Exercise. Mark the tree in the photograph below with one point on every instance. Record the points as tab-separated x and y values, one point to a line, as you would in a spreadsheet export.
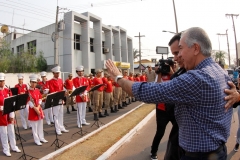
219	56
135	53
23	62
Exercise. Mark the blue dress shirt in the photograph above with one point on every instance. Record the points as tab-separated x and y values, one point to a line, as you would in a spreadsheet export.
204	124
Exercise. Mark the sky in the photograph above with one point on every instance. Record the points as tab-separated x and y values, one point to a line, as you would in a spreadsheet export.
149	17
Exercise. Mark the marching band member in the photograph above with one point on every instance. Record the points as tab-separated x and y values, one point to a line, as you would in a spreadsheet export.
98	95
131	78
22	89
44	91
35	111
6	121
88	94
109	96
69	87
56	85
143	77
117	94
81	99
124	94
105	81
90	102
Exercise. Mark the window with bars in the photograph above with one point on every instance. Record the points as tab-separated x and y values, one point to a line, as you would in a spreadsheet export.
20	49
76	41
32	47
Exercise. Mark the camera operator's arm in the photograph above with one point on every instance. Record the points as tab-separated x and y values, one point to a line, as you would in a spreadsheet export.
233	96
171	71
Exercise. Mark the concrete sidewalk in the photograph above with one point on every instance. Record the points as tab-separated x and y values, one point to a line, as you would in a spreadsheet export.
139	147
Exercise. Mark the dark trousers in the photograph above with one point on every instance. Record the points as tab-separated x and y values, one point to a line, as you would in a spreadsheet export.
162	119
173	151
218	154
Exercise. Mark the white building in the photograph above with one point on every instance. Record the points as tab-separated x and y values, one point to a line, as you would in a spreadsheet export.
79	43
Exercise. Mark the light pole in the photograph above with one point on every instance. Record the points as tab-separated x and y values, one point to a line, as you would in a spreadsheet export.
226	34
234	15
140	53
175	15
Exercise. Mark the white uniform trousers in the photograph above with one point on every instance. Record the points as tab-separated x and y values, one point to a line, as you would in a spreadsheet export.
11	136
24	117
58	118
81	113
4	139
48	114
37	130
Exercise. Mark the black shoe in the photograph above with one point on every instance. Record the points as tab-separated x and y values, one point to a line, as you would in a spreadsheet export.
90	109
124	104
106	114
115	108
154	157
103	105
112	110
120	107
68	112
52	122
236	147
73	109
95	117
101	116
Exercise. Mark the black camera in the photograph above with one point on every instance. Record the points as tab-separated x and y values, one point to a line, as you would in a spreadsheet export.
164	66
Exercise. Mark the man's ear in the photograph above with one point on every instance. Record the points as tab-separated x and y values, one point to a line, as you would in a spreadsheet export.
197	48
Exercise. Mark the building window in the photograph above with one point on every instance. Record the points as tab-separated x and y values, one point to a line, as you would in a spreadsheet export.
32	47
20	49
103	47
12	50
91	45
113	49
76	41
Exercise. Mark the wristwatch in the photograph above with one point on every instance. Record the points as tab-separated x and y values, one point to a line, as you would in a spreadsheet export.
118	77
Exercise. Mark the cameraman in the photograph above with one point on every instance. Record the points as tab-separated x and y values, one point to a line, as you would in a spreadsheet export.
163	116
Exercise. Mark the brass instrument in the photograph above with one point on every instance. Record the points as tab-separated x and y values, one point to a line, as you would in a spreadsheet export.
36	108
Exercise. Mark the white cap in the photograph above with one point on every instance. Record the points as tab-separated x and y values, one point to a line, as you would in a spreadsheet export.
2	76
20	76
56	69
43	74
79	68
33	77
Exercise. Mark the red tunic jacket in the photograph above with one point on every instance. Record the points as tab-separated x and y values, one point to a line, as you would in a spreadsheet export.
4	119
36	96
78	82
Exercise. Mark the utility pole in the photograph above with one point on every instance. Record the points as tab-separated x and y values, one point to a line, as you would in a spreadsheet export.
229	59
175	15
56	57
140	54
234	15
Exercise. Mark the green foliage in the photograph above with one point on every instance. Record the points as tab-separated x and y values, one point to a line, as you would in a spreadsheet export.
219	56
135	53
20	63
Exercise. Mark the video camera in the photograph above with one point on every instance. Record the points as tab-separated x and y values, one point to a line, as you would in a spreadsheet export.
164	66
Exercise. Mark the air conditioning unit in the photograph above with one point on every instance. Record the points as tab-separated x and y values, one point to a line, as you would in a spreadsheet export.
61	26
106	50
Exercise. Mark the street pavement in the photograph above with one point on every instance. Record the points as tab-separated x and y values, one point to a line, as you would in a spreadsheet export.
139	147
70	120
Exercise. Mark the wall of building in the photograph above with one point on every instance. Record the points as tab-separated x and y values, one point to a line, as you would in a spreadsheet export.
115	39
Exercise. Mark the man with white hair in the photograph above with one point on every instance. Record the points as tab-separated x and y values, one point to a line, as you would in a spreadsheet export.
81	99
22	89
56	85
6	121
202	112
35	111
44	91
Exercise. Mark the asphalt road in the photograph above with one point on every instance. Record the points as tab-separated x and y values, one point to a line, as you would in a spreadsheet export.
139	147
70	120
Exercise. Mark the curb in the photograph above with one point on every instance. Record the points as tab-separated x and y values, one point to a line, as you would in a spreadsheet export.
71	145
127	137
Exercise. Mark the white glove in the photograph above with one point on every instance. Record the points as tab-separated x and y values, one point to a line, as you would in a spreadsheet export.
40	101
1	108
30	104
11	115
45	91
